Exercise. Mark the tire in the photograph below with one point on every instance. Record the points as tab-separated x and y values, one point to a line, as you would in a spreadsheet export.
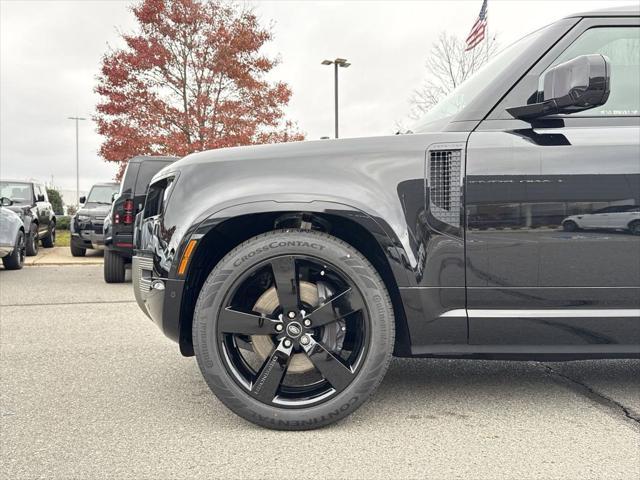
50	240
373	311
634	227
77	251
15	261
570	226
32	241
114	267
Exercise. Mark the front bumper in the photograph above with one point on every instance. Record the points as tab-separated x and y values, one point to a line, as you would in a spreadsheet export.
5	249
159	298
88	239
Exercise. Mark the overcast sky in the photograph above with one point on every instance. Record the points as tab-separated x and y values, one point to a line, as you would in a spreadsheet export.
50	53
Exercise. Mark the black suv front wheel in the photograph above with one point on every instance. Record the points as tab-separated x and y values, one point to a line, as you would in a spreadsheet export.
293	330
50	240
32	241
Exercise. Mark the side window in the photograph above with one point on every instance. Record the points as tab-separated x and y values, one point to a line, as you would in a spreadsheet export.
145	174
39	191
157	197
129	177
621	45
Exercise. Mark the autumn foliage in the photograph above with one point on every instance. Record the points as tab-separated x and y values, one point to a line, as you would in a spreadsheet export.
191	78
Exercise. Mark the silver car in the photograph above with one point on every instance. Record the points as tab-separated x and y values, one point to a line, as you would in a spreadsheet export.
12	237
615	217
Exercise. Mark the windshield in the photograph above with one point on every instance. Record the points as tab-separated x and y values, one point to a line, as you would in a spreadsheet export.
102	194
467	91
19	192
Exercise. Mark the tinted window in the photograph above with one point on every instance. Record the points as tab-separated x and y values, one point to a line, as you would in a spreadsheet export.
129	177
621	45
157	197
145	174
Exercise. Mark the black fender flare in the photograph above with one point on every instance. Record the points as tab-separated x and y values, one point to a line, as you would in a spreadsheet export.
388	241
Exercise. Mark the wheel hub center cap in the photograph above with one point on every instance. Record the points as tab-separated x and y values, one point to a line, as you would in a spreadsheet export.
294	329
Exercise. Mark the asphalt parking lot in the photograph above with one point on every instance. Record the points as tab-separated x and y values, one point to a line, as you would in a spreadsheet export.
90	388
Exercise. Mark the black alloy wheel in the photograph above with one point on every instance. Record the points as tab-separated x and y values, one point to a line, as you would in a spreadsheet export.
295	340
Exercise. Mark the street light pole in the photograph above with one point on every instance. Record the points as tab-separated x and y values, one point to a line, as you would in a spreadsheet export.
338	62
77	119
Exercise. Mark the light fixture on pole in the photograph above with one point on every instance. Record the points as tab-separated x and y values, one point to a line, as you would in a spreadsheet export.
338	62
77	119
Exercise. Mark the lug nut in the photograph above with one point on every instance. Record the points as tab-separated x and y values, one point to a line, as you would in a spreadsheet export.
279	327
287	342
304	340
307	322
292	314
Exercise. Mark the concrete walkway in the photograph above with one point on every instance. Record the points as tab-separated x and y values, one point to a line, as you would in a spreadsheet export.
62	256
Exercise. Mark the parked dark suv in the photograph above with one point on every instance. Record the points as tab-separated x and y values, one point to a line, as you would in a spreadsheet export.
31	202
293	272
87	223
118	226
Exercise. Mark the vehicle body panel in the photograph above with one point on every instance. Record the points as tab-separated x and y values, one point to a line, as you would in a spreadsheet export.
10	225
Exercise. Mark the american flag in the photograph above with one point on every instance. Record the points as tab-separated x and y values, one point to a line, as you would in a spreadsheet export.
478	30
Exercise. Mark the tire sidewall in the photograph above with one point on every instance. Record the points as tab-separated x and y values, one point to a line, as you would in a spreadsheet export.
32	240
313	244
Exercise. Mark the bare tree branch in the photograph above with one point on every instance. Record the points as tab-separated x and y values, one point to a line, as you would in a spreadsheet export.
448	65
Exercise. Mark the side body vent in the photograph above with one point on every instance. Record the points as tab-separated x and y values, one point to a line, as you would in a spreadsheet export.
443	184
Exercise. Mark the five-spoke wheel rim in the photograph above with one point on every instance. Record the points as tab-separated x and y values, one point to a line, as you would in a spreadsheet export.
328	331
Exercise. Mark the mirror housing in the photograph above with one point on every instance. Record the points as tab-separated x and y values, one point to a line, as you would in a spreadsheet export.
83	199
5	202
569	87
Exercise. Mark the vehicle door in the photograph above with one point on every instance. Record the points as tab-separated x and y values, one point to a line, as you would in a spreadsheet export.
621	216
42	208
597	219
532	283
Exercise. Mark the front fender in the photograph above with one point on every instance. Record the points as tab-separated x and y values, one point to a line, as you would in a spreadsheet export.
387	239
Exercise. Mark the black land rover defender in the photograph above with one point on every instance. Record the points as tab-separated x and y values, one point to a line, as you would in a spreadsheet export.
87	223
31	203
293	272
118	226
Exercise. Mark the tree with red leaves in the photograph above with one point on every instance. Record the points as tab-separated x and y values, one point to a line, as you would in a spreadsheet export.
191	78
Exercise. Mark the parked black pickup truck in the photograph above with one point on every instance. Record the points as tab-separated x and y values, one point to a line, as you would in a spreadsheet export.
87	223
118	225
30	201
293	272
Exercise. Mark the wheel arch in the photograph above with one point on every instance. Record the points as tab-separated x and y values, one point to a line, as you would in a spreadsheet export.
218	236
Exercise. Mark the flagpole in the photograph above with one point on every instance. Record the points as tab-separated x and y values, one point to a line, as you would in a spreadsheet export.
487	30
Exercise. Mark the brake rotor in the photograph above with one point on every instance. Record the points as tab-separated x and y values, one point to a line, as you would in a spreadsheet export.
267	304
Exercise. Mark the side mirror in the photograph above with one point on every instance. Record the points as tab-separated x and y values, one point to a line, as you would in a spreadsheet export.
114	196
40	198
573	86
6	202
83	199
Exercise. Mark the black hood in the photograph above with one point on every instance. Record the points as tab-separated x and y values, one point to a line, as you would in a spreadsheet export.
95	209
